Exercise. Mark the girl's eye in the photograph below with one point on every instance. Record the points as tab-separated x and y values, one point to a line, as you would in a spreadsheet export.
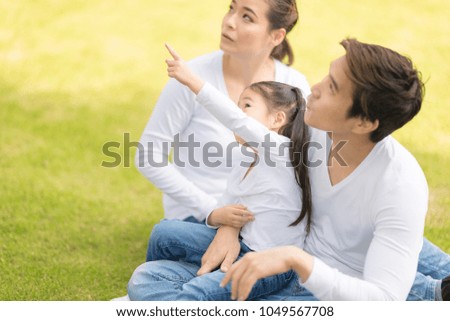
331	87
247	106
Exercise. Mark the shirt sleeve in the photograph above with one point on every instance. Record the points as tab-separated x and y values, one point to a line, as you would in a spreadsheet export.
252	131
171	115
391	262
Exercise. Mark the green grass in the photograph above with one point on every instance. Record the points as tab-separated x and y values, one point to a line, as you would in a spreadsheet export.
77	74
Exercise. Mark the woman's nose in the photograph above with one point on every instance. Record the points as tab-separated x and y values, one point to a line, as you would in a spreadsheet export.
230	20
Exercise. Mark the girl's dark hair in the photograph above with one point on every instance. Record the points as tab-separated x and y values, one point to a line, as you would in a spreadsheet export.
289	99
282	14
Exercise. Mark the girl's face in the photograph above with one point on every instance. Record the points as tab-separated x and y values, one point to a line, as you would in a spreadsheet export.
245	29
255	107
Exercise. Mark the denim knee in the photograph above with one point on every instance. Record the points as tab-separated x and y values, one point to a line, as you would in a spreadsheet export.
135	283
161	234
205	288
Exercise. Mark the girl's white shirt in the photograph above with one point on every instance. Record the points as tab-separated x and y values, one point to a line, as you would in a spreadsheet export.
269	190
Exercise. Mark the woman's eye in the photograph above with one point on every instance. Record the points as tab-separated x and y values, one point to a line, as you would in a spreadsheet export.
247	18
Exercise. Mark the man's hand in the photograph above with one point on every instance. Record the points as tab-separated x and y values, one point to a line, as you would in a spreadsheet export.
235	215
257	265
223	250
178	69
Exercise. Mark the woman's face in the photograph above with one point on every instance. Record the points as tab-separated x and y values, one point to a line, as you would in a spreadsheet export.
245	29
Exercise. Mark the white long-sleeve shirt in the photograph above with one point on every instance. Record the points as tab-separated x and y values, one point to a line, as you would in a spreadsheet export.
367	230
192	184
269	190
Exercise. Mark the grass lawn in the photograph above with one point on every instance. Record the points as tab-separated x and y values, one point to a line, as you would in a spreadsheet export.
77	74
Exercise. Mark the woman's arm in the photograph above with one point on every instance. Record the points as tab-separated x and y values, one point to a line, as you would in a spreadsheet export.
171	115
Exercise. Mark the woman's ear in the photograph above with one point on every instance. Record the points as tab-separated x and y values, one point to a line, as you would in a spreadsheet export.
278	36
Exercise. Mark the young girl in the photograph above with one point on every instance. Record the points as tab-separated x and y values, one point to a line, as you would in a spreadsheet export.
274	188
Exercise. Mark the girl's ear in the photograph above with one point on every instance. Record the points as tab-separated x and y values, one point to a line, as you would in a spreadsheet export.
278	120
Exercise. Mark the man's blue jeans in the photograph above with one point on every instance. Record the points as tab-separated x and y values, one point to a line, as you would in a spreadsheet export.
188	244
175	252
434	265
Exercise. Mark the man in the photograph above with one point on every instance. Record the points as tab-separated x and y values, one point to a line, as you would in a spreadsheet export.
370	203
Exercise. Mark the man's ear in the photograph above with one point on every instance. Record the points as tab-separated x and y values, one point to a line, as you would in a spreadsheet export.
278	36
365	126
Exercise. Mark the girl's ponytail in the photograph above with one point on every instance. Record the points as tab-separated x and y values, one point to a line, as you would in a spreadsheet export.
299	136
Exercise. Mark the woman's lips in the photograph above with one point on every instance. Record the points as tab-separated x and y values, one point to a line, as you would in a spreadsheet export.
227	37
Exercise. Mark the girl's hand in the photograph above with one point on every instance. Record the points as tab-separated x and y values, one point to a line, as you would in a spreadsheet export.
232	215
223	250
178	69
257	265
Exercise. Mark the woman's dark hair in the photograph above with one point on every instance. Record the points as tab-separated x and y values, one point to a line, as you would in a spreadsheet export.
282	14
289	99
386	86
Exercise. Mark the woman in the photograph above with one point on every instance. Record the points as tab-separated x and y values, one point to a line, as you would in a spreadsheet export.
253	45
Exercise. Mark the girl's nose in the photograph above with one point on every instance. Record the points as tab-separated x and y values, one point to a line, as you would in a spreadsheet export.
315	92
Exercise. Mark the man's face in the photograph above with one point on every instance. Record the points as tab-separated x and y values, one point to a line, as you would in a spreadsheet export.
330	101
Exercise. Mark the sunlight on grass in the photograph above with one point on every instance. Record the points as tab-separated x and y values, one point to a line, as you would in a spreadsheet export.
77	74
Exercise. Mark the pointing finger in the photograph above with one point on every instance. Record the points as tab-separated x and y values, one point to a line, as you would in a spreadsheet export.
173	53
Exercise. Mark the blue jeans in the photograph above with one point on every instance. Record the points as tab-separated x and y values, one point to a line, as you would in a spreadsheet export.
190	219
433	265
175	252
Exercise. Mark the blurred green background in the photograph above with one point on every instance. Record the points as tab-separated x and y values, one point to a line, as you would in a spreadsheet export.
77	74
